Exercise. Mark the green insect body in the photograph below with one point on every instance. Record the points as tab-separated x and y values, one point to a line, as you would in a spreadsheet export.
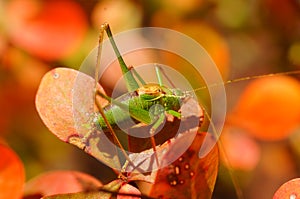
142	99
146	104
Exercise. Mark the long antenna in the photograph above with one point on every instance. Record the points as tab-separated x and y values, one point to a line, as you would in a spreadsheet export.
158	67
234	180
246	78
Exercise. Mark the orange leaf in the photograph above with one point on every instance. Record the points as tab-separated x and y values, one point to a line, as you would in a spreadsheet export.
189	176
65	102
46	28
289	190
104	192
242	152
59	182
128	189
269	108
12	175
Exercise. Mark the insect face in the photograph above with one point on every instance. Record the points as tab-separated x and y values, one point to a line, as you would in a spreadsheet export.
151	89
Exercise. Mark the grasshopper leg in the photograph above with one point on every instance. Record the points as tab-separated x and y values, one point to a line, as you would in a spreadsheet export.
136	74
153	129
103	28
157	114
174	113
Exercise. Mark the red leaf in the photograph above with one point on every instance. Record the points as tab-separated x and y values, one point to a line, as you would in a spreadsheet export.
266	113
59	182
12	175
64	101
242	152
108	190
46	28
289	190
76	185
128	189
189	176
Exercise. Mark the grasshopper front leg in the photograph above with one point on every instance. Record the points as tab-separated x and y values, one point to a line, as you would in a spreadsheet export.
158	116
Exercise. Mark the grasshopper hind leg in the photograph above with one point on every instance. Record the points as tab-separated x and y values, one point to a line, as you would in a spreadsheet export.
98	108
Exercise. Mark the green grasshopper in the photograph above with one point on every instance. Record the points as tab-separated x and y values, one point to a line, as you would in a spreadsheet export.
147	104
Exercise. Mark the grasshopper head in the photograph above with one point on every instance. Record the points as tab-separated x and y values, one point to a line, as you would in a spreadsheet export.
153	91
150	89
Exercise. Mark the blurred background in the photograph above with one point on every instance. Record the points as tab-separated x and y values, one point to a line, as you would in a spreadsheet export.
244	38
